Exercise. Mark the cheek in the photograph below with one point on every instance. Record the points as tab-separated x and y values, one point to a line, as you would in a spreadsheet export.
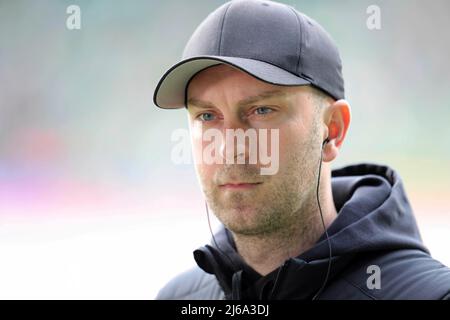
205	172
290	145
196	148
198	145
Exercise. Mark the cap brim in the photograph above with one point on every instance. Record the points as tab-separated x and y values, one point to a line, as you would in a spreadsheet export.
171	89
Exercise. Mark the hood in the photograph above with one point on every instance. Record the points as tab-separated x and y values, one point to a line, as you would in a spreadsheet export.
374	214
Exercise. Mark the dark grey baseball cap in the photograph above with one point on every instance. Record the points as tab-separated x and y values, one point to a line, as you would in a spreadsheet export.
271	41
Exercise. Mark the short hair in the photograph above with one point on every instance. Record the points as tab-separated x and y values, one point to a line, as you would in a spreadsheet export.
320	98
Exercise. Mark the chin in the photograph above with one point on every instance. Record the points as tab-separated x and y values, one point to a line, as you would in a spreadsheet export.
239	218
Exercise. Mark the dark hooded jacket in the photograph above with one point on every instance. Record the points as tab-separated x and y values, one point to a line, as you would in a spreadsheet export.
377	253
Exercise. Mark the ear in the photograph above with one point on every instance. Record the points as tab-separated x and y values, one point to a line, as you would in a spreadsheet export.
337	119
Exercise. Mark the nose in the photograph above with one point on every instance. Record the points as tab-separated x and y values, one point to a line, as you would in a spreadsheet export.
236	142
233	152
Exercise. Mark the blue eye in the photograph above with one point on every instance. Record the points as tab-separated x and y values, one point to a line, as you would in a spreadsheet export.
206	116
263	110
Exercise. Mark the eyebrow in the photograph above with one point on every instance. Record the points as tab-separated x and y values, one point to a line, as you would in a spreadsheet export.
246	101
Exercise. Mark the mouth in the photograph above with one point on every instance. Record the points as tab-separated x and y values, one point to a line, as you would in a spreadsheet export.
240	185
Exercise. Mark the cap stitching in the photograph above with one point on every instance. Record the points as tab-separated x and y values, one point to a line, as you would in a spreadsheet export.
298	68
221	28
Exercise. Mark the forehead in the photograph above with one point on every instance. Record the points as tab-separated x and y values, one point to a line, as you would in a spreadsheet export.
226	83
222	79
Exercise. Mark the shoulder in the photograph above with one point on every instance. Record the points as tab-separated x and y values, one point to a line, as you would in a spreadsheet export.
193	284
402	274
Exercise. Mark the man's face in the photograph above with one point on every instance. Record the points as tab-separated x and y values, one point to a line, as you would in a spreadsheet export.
267	203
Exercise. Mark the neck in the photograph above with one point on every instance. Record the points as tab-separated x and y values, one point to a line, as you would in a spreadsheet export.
265	253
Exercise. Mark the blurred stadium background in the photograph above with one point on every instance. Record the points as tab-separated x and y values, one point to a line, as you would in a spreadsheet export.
91	206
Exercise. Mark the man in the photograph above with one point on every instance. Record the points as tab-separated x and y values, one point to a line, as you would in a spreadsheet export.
303	231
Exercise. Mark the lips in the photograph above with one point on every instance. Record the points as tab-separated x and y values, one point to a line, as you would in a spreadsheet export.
240	185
